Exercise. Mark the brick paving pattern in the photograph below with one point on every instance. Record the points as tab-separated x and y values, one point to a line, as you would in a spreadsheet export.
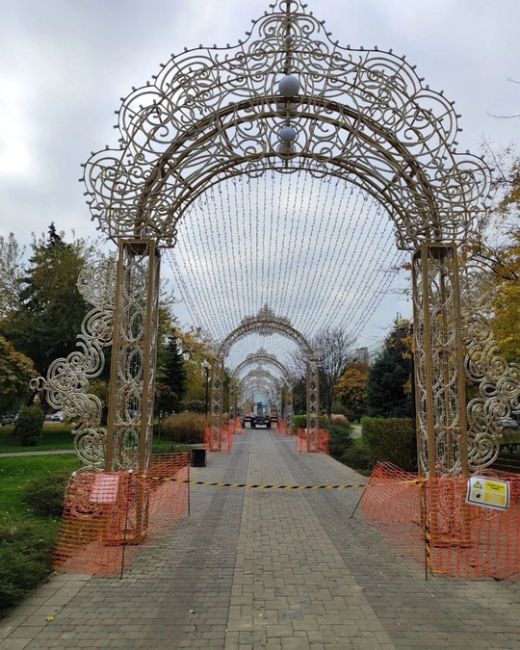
276	570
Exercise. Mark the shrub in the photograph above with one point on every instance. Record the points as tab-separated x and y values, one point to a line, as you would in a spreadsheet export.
194	406
299	421
46	495
29	426
25	559
391	439
338	418
339	440
187	428
356	456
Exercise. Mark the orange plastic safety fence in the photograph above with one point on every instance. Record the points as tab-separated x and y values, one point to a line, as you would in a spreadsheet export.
219	440
431	522
108	517
323	441
281	428
302	442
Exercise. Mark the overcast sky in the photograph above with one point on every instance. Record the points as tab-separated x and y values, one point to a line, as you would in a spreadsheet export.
64	64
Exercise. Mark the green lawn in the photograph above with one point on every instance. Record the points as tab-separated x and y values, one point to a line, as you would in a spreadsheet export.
58	436
55	436
15	473
26	539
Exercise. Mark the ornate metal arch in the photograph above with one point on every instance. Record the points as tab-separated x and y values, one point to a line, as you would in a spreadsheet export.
260	373
265	323
287	97
259	377
262	357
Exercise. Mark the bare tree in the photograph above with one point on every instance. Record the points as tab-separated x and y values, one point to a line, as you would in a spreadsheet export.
334	347
11	273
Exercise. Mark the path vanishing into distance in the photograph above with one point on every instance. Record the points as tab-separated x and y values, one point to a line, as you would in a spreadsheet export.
281	570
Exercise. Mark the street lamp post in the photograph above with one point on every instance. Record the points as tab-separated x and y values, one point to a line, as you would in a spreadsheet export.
207	368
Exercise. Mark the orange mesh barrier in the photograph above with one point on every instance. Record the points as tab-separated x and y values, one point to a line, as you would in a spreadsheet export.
323	441
431	522
281	428
303	444
219	440
301	441
108	515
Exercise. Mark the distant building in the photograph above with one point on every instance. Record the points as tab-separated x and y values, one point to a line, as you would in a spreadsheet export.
359	355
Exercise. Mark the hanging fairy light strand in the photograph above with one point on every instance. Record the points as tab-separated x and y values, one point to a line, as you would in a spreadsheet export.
316	250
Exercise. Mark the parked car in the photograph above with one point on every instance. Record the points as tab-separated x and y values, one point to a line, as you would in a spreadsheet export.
261	422
509	423
57	417
9	418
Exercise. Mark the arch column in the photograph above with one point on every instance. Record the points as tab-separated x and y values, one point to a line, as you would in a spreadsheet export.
313	404
288	408
439	352
134	355
233	398
217	403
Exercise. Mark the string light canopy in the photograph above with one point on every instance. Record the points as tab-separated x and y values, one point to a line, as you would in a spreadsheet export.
319	250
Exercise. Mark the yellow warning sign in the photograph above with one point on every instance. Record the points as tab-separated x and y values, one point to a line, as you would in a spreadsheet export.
488	493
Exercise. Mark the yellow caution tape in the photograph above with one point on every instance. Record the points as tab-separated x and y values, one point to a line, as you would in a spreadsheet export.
273	486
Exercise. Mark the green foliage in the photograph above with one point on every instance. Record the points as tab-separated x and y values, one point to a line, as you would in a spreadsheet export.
29	426
187	428
26	540
194	405
171	375
391	439
339	440
352	389
45	322
55	436
357	457
45	495
16	371
25	559
389	378
165	446
299	421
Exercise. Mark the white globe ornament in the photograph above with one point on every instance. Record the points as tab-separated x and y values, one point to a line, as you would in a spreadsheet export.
287	134
289	86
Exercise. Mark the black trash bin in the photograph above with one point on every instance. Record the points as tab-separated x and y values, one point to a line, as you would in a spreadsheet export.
198	456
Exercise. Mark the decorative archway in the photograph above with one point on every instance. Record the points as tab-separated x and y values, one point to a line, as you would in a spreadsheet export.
265	323
259	378
289	98
262	357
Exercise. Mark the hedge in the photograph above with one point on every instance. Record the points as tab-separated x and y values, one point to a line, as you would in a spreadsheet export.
391	439
187	428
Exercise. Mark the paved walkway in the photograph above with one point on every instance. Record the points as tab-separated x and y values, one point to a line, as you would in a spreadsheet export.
273	570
